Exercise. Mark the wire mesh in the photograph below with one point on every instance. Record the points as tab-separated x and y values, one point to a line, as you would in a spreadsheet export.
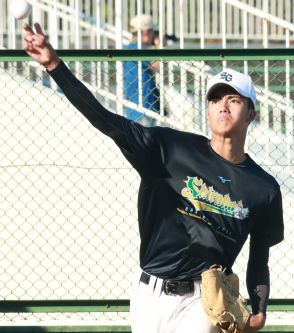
68	197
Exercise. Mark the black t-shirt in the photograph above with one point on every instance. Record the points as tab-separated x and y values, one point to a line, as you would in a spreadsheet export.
195	209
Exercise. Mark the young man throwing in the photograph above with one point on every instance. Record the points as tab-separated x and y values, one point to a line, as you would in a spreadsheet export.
197	199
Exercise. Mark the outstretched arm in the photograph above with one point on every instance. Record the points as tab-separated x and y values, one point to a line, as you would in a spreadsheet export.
113	125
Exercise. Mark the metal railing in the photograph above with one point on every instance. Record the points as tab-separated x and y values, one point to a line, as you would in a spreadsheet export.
197	23
89	25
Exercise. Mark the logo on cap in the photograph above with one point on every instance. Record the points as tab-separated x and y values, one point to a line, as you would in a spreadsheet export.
225	76
242	83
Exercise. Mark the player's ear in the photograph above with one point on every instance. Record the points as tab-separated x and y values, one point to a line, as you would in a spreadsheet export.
252	115
251	111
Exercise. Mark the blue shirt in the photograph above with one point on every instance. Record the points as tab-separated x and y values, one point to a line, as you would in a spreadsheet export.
150	93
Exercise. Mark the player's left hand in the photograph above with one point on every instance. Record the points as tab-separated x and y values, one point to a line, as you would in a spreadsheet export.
255	322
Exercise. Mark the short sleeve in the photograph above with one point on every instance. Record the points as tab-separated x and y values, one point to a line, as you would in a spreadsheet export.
270	230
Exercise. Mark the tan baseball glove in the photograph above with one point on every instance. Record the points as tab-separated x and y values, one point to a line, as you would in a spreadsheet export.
221	300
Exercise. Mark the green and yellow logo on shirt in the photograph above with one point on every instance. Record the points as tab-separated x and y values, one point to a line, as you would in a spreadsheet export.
205	198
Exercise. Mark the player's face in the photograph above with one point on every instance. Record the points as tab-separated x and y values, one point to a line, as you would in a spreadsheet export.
228	112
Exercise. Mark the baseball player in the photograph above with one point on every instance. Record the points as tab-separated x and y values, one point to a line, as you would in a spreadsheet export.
199	199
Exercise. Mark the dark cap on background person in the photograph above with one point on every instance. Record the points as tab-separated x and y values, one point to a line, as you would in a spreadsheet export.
240	82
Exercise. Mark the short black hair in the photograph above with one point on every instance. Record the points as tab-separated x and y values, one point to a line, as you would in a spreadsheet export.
250	104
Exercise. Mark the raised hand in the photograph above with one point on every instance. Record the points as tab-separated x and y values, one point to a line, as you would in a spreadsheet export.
37	47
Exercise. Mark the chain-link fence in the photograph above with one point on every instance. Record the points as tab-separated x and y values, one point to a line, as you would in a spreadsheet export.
68	197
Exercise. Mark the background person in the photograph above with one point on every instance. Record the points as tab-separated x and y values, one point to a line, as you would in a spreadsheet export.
150	93
197	200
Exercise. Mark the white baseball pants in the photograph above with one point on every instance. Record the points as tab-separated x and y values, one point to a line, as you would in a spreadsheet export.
152	311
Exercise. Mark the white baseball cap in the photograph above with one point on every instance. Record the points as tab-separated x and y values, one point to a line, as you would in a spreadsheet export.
143	23
242	83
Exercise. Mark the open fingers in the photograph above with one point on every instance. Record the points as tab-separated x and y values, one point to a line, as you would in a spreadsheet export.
33	38
29	33
28	29
38	28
